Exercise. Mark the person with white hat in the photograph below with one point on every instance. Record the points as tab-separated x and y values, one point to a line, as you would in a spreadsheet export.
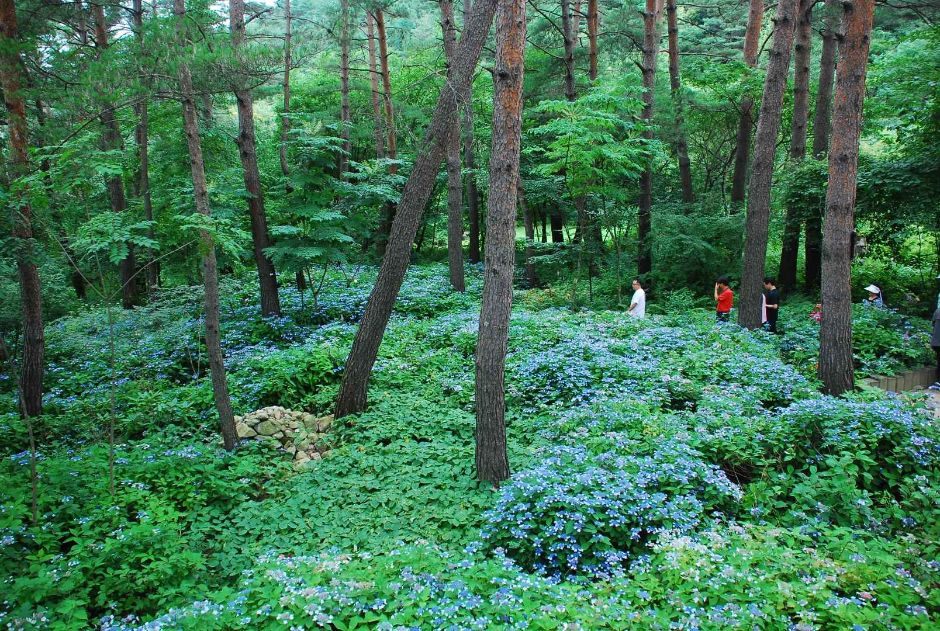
875	299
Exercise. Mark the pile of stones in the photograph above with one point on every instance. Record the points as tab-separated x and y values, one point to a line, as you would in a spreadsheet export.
300	434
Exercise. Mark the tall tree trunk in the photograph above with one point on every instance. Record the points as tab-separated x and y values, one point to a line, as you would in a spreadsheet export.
392	148
528	223
651	38
112	140
379	131
569	35
682	147
836	369
786	278
452	160
743	144
354	388
821	127
492	462
469	162
267	277
285	86
344	86
765	148
143	154
30	294
210	270
593	21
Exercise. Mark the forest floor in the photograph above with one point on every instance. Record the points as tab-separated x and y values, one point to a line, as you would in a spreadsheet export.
668	473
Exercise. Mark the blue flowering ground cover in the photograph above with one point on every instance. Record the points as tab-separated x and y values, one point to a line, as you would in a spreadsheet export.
668	474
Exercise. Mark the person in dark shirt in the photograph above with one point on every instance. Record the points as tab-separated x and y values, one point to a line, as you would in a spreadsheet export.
724	299
772	297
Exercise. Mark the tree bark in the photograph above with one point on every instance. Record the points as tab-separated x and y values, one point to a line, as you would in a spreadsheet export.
267	276
821	127
836	368
743	144
344	87
682	146
593	21
492	462
379	131
651	39
765	147
210	270
452	160
802	47
143	154
33	364
353	391
569	37
469	162
285	86
392	146
112	140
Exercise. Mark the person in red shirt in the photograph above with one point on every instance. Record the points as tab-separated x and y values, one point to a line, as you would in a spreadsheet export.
724	298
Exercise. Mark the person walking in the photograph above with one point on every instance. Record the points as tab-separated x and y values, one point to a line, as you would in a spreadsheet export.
638	302
771	303
724	299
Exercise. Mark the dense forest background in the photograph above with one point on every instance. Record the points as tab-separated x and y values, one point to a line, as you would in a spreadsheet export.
387	249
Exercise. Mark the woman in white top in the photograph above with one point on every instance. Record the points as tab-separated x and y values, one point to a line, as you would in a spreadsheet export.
638	302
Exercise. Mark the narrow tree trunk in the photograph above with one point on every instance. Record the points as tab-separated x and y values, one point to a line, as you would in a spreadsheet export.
285	86
682	147
30	294
529	223
492	462
469	162
650	53
836	368
454	183
557	225
143	155
765	148
821	127
743	144
786	278
353	391
344	87
112	140
267	277
569	36
543	219
379	131
210	270
392	147
593	21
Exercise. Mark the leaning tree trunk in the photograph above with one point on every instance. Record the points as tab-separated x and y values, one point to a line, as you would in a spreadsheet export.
836	368
30	294
650	53
492	462
743	144
344	87
469	162
267	277
392	149
682	147
821	125
285	86
210	270
112	140
142	137
354	388
379	129
765	147
786	278
452	160
593	20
